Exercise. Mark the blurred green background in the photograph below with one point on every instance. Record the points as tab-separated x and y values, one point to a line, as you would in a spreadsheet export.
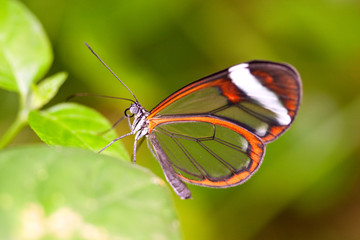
308	185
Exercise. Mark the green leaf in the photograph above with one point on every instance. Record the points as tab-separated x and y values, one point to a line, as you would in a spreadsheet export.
25	53
71	124
46	90
66	193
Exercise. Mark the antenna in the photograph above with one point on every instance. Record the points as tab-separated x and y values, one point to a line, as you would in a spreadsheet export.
111	71
96	95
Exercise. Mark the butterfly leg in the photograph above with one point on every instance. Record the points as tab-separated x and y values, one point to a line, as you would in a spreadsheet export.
116	139
129	123
134	151
112	127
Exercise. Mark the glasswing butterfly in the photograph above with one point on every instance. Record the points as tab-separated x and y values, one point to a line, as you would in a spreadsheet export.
213	132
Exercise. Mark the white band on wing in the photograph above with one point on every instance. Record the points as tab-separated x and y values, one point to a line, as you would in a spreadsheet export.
251	86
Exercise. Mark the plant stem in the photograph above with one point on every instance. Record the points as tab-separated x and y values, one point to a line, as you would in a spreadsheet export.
16	126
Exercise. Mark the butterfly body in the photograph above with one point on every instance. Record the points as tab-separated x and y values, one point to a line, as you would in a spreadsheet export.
140	124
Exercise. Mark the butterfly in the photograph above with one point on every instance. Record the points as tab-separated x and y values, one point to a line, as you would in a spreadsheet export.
214	131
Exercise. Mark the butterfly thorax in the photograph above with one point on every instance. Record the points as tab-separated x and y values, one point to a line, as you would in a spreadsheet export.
140	124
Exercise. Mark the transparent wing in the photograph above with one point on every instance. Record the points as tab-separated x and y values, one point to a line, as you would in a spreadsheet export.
262	97
208	153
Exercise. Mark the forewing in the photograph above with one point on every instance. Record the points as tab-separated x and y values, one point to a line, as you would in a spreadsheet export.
262	97
209	153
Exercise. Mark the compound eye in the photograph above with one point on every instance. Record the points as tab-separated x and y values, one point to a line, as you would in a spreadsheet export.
134	109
